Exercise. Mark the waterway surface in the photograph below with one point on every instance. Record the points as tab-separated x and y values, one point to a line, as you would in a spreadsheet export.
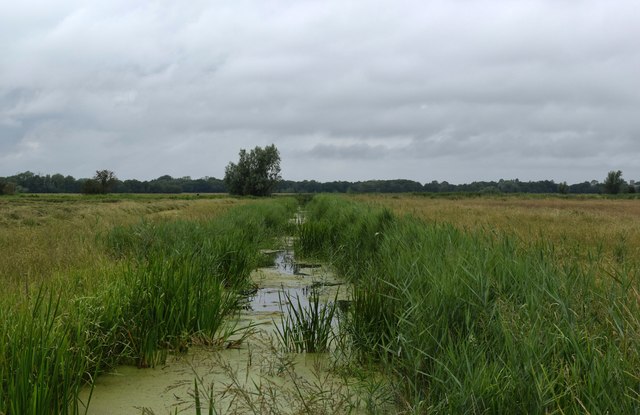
252	375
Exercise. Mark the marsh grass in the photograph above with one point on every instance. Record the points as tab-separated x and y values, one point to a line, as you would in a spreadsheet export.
472	321
48	237
38	354
345	234
185	276
166	283
581	229
305	329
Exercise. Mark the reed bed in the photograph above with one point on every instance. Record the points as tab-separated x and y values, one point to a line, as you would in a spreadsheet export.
580	227
167	283
306	329
473	321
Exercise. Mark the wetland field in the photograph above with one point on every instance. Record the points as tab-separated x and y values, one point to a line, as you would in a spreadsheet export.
356	304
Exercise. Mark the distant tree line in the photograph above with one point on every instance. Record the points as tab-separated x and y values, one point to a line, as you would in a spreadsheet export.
370	186
410	186
29	182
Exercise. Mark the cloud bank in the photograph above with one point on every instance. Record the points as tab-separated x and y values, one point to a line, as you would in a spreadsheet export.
438	90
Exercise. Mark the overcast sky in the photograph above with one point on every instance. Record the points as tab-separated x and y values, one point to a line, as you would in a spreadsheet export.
455	90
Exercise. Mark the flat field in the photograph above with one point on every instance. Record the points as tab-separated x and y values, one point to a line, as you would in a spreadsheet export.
577	226
46	235
463	304
490	304
90	283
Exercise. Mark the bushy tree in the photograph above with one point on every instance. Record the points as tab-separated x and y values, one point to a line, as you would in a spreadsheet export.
257	172
563	188
613	183
103	182
7	187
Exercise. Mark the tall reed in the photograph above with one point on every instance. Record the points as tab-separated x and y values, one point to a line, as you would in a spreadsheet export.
46	357
185	276
172	281
305	329
470	322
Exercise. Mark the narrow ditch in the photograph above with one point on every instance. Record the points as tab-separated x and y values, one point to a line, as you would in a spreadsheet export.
251	373
297	280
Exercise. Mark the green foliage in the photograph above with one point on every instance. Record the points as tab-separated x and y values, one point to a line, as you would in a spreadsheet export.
185	276
613	183
7	188
166	302
90	187
305	329
103	182
46	355
468	322
563	188
175	281
106	180
257	172
324	235
57	183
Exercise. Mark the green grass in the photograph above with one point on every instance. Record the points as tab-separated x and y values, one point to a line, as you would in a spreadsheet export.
470	322
305	329
43	358
171	282
473	320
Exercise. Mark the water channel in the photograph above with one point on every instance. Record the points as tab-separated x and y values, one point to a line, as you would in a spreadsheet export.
250	372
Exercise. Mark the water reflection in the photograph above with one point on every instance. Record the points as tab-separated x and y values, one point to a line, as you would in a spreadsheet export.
285	263
269	299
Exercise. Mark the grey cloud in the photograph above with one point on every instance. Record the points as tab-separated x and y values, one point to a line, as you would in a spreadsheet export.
547	83
360	151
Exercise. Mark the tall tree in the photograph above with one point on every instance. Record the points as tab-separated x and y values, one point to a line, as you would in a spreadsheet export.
563	188
103	182
257	172
613	183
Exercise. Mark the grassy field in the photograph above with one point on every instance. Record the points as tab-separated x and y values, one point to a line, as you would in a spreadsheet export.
579	228
489	305
466	305
95	282
46	235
